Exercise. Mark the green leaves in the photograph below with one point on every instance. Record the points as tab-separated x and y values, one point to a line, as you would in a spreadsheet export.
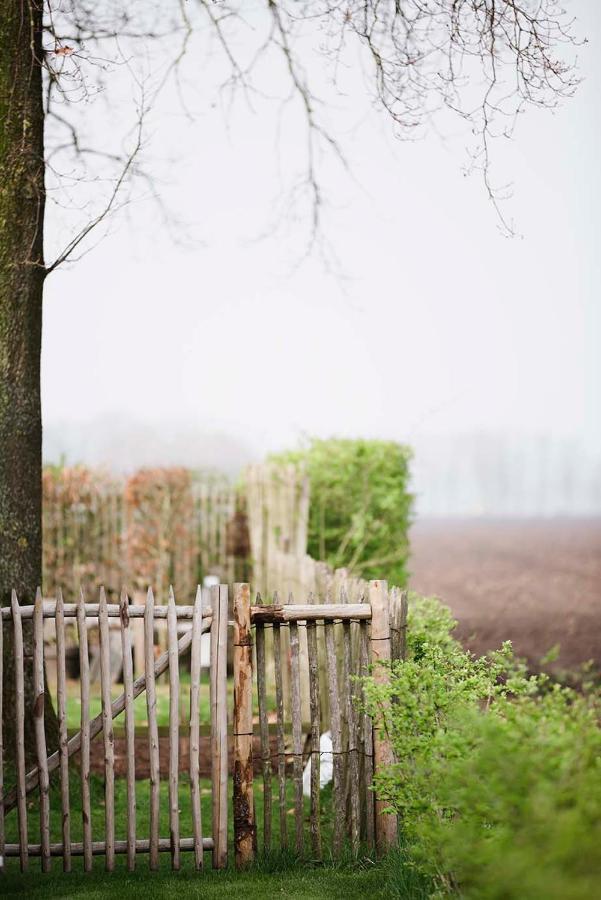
498	772
360	505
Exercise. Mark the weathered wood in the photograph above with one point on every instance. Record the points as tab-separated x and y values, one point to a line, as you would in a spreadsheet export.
244	813
130	731
107	733
315	735
173	731
19	664
281	742
195	670
113	611
218	672
297	735
395	634
336	730
40	733
299	612
264	732
137	636
61	712
353	759
385	823
85	734
161	665
153	730
98	848
368	745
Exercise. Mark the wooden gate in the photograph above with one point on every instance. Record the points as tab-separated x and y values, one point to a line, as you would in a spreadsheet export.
207	614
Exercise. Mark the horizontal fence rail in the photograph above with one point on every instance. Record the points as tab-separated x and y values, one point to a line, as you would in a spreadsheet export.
298	721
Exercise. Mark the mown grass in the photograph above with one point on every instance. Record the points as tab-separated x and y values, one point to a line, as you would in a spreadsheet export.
140	712
278	874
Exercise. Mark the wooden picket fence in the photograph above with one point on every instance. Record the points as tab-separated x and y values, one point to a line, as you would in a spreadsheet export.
158	526
202	618
352	637
355	638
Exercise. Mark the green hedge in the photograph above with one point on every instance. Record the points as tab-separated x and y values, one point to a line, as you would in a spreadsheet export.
360	505
497	779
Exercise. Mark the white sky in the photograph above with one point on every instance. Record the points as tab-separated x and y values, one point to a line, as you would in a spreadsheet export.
441	326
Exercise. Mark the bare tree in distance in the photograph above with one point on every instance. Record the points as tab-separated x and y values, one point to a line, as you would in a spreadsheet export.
482	60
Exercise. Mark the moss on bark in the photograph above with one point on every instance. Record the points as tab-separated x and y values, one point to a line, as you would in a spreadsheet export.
22	273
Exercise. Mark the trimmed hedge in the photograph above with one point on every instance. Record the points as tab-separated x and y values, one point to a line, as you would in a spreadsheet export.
360	505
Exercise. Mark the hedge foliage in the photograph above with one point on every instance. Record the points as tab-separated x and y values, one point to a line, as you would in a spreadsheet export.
360	505
498	773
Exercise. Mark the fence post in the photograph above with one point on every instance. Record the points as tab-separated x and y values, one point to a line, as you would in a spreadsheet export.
244	812
219	754
386	824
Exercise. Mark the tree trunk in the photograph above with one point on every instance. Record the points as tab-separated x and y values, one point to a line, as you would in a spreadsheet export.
21	284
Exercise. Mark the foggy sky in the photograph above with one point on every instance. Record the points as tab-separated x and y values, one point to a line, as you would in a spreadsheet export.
431	326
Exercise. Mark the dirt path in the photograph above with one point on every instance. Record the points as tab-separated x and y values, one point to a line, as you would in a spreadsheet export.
535	582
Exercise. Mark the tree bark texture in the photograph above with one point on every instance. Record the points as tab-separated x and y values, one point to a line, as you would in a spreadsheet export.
22	273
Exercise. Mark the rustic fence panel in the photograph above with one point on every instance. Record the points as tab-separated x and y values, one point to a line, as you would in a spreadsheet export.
108	616
353	636
159	526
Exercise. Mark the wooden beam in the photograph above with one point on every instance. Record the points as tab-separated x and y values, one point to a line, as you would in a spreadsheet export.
244	812
385	823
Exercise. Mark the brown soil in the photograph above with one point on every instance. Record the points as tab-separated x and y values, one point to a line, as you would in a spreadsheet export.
143	762
534	582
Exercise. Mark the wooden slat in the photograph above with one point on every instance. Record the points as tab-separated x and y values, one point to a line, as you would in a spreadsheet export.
244	813
107	733
219	723
299	612
2	831
173	731
195	672
99	847
264	732
84	683
315	734
395	624
297	736
20	729
136	611
40	732
281	742
385	823
336	730
137	628
153	730
61	712
368	747
130	731
353	759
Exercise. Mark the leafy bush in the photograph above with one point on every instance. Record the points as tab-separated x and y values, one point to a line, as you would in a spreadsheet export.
360	506
498	774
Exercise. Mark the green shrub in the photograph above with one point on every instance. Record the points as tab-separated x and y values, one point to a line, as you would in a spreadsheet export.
498	774
360	505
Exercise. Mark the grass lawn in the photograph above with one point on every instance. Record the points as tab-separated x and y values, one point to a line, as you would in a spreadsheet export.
140	714
296	881
278	874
